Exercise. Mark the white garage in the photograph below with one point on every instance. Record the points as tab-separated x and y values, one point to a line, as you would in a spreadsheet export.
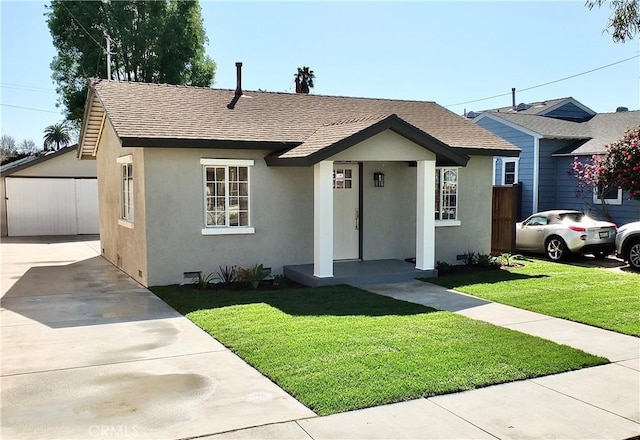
54	194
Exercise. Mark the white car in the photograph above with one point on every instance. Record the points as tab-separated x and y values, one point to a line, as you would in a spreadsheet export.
562	232
628	244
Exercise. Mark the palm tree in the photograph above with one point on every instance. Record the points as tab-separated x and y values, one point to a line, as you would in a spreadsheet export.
56	135
304	79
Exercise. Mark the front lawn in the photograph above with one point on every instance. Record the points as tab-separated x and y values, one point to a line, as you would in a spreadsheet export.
340	348
590	295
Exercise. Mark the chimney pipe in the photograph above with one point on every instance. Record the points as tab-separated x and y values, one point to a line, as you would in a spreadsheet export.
238	93
238	79
513	97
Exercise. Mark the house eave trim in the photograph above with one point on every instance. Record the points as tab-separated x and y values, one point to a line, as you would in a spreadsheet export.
444	152
147	142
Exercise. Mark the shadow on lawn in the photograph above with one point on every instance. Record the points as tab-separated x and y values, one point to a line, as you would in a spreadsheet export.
480	277
331	300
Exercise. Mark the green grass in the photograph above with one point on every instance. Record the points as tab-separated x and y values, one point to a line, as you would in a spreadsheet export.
590	295
340	348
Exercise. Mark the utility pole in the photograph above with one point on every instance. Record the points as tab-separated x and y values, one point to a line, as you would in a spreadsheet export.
108	55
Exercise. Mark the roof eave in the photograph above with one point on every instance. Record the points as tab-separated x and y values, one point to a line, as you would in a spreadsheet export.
150	142
443	152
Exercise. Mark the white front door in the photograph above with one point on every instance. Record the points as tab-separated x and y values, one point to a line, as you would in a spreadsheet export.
346	215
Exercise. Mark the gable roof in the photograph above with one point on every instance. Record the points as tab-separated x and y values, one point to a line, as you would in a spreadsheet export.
29	161
153	115
541	107
591	136
330	139
604	128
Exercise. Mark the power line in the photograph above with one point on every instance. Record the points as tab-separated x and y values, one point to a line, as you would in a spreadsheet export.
545	84
26	89
83	28
44	89
29	108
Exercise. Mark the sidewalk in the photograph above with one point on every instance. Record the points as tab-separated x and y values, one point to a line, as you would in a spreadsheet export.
593	403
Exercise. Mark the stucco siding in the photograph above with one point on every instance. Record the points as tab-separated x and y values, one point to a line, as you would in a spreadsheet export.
385	146
124	247
281	209
570	198
569	111
389	213
526	164
474	204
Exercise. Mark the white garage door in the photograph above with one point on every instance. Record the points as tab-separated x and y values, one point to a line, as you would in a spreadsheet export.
51	206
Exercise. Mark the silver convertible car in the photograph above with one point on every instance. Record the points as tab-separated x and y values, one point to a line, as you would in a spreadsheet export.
560	233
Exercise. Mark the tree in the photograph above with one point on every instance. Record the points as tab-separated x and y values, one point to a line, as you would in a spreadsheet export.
304	79
151	41
591	178
621	164
56	135
624	22
619	167
7	147
27	146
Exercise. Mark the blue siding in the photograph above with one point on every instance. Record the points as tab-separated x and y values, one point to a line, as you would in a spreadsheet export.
498	176
567	197
569	111
547	186
525	170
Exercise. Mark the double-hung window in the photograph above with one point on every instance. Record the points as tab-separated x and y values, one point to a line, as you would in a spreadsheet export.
126	190
226	196
446	194
510	171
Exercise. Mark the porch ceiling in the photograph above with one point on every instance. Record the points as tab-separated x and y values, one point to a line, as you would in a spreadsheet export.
336	137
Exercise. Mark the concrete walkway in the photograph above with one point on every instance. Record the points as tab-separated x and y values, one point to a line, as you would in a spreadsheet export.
88	353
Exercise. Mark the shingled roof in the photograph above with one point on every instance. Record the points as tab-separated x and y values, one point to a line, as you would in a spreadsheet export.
591	136
153	115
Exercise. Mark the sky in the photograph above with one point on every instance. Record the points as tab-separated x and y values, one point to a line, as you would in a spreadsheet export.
448	52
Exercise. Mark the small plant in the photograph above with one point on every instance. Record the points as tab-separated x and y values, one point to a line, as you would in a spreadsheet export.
279	281
470	258
489	262
227	275
203	281
443	267
253	275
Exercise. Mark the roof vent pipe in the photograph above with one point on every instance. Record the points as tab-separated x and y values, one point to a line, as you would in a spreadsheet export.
238	79
622	109
238	92
513	97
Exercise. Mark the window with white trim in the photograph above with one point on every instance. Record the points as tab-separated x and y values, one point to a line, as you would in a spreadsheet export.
509	171
226	196
446	194
126	188
610	196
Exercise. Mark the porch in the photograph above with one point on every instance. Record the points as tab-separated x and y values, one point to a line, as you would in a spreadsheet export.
359	273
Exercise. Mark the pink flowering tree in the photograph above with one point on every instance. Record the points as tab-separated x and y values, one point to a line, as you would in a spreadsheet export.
618	167
591	176
621	164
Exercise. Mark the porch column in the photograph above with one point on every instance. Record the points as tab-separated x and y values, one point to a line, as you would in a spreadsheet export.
323	219
425	216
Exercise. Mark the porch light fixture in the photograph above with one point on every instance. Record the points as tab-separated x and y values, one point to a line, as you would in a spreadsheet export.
378	180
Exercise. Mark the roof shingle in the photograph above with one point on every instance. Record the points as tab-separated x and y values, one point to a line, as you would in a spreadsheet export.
152	111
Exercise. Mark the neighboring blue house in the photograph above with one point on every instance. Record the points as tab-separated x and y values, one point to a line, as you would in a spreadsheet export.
551	134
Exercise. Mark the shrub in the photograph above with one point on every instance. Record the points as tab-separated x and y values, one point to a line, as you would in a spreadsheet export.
470	258
227	275
443	267
254	275
203	281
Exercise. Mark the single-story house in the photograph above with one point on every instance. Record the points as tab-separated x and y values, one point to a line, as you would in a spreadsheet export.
192	178
49	194
551	135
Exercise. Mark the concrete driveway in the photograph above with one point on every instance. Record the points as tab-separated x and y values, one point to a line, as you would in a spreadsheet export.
89	353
